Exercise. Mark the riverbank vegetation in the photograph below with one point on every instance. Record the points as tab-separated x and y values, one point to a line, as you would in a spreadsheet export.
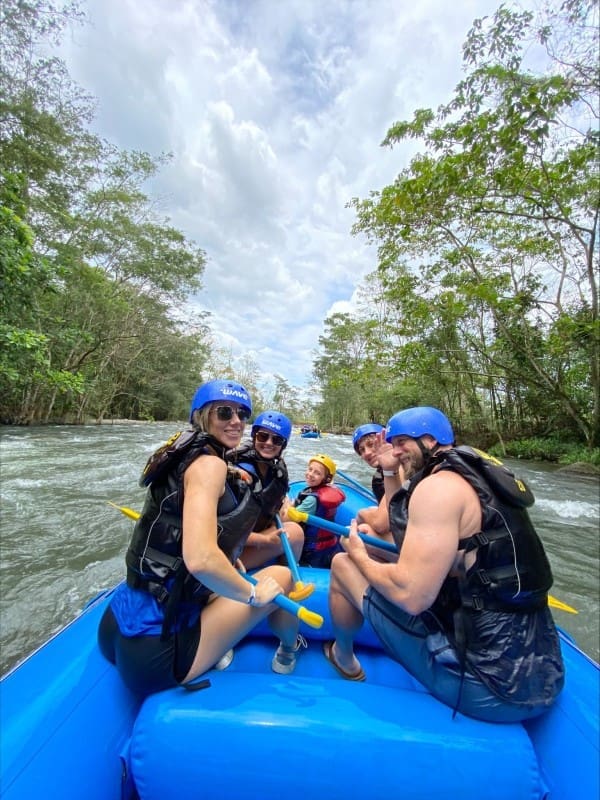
484	300
485	297
92	274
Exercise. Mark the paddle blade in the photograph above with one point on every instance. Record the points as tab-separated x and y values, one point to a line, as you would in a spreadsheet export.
553	602
296	516
311	618
301	591
129	512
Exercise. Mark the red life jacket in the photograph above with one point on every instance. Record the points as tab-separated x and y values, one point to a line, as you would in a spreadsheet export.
329	499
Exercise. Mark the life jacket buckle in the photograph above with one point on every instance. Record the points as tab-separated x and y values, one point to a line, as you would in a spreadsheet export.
483	577
158	591
478	603
481	539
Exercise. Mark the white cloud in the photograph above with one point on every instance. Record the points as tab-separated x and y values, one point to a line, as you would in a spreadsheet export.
274	112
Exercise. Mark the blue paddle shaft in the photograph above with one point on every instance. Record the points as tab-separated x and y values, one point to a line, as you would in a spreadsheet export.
289	553
280	600
340	530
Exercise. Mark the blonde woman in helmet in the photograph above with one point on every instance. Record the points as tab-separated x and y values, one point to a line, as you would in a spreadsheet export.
186	603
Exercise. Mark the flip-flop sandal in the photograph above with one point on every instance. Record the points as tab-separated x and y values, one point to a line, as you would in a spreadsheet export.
328	653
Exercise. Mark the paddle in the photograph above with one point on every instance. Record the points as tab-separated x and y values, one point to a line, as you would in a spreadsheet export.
301	590
311	618
129	512
341	530
554	602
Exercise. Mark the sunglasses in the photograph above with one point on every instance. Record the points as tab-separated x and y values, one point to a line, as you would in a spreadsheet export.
263	437
225	413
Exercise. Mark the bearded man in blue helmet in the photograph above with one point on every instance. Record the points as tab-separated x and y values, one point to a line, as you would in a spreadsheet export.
465	607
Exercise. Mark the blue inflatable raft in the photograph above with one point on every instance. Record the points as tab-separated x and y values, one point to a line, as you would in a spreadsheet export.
310	432
71	730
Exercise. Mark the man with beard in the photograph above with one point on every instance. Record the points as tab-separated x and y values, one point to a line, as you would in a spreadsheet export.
464	608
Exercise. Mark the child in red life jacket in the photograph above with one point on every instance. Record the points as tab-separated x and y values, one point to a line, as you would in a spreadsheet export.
319	498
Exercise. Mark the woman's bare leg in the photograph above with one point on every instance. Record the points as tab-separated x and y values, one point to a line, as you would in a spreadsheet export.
271	548
224	622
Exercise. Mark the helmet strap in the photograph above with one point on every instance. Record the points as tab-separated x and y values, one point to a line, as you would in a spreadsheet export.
427	452
269	461
221	451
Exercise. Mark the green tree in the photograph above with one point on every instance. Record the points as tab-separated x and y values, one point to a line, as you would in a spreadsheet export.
24	350
348	371
104	272
500	211
287	399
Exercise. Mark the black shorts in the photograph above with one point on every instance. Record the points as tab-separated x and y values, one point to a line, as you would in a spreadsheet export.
146	663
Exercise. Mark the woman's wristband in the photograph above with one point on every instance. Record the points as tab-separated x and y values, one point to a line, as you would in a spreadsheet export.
389	473
252	598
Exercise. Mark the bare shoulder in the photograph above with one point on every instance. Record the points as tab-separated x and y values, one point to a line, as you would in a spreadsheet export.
445	488
205	469
445	497
444	478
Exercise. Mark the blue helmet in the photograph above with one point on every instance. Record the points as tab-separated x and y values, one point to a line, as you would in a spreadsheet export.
220	390
419	421
364	430
273	421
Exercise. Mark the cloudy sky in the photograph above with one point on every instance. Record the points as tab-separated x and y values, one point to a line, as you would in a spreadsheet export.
274	111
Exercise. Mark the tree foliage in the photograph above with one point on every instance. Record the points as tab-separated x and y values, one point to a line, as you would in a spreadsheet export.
487	240
92	275
484	300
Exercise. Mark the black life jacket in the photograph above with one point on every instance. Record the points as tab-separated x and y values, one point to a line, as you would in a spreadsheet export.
511	570
377	484
154	558
496	615
269	490
398	510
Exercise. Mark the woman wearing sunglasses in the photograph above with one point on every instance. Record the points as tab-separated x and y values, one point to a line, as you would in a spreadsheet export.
185	604
263	459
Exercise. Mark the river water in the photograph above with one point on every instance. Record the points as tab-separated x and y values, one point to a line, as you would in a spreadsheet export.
61	543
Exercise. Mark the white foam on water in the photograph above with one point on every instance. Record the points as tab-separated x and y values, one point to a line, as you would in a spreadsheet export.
570	509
